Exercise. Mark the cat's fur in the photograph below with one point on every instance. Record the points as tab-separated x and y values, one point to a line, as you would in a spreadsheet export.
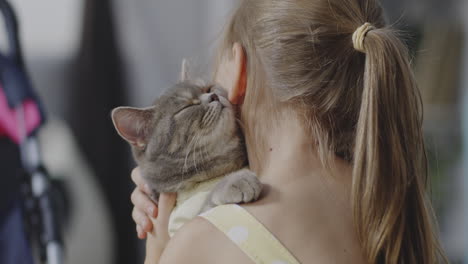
188	136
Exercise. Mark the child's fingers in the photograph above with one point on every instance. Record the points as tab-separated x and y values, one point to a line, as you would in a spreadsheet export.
140	232
139	181
142	220
136	177
141	201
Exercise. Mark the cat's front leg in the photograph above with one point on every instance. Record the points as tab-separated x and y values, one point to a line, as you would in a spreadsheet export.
241	186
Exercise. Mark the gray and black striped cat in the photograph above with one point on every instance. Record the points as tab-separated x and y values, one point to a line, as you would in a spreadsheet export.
190	135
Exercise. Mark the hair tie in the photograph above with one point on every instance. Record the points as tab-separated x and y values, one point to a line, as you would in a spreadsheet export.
360	34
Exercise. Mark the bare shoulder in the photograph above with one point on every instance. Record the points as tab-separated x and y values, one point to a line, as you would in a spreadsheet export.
199	241
191	244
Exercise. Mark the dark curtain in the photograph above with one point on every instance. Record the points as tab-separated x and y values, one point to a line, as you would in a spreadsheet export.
99	87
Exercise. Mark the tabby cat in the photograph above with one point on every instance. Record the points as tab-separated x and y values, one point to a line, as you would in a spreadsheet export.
190	135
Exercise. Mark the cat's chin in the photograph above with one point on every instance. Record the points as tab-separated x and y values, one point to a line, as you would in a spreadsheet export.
191	183
174	188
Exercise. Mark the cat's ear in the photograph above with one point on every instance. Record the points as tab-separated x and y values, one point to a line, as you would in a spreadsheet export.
133	124
184	71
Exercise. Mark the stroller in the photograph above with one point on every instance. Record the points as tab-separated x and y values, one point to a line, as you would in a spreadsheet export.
29	222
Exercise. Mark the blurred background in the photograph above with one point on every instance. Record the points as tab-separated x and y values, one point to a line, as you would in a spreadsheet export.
86	57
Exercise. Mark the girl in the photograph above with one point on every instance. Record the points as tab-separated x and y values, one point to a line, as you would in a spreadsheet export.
332	120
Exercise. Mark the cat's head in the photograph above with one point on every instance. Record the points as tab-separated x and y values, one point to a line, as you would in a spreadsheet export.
189	135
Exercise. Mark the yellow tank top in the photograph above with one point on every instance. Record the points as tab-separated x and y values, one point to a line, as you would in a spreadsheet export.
249	235
189	204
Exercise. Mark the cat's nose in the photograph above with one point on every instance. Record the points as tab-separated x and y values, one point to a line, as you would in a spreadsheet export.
214	97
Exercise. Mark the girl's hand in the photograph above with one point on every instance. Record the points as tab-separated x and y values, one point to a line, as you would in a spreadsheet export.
144	208
157	240
152	222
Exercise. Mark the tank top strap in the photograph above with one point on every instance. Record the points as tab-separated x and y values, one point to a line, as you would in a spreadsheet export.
249	235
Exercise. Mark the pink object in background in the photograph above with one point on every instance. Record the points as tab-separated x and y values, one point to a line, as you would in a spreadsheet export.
8	118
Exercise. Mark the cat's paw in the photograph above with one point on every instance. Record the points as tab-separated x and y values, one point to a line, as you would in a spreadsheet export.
239	187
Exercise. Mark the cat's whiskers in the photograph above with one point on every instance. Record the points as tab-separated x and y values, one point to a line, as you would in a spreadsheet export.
204	152
189	149
195	152
207	116
214	112
212	115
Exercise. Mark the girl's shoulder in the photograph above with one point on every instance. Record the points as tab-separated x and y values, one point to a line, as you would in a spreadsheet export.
203	240
199	241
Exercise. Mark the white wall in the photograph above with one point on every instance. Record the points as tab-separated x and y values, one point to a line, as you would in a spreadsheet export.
156	34
50	31
49	28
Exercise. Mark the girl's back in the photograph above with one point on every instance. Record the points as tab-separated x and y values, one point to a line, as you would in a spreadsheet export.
309	215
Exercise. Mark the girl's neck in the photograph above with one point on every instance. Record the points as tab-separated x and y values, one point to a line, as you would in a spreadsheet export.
291	157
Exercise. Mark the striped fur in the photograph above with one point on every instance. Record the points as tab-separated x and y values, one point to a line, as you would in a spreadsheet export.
183	138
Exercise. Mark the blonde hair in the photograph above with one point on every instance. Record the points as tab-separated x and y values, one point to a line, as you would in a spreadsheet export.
359	101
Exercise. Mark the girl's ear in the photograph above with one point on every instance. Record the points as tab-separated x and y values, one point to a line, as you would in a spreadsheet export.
239	71
232	73
132	124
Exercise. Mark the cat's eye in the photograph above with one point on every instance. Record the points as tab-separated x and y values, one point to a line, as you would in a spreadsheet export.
193	102
183	108
209	89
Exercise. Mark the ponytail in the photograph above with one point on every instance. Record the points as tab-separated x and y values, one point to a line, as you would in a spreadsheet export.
393	217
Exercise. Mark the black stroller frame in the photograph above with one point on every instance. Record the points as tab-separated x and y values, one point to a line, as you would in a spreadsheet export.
41	216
